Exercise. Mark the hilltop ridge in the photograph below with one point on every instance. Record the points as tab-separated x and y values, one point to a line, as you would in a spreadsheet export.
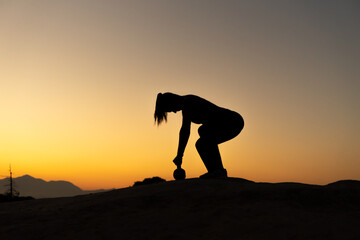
193	209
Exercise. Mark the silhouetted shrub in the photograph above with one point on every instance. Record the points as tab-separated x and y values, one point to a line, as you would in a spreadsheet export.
7	198
149	181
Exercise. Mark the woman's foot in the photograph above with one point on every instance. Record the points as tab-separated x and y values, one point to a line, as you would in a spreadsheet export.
217	174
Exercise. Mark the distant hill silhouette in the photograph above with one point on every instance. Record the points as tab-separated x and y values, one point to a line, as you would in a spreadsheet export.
39	188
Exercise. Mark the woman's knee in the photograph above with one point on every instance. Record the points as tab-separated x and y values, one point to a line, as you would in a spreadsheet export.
203	131
199	144
205	143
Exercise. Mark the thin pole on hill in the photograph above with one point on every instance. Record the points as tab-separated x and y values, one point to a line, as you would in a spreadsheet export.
11	184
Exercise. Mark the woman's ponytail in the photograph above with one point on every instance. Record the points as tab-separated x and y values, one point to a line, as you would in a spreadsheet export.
160	115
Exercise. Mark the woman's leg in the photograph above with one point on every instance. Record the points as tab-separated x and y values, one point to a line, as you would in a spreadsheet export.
213	134
209	153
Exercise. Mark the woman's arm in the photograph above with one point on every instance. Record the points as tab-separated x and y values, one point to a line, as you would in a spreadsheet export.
183	138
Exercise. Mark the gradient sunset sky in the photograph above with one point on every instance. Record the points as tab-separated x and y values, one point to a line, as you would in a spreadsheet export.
78	83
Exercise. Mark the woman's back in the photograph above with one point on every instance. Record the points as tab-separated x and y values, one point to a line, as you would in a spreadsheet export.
200	110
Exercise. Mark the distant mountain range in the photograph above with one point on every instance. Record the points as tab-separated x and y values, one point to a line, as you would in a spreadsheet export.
38	188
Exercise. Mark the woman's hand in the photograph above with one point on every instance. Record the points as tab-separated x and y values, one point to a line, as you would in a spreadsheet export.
178	161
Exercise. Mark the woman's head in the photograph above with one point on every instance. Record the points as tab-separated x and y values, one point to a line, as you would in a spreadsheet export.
167	102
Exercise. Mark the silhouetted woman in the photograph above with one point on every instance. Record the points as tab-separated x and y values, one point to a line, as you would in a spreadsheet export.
218	125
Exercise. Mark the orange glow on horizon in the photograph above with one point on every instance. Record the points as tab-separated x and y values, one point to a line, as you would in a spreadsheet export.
78	87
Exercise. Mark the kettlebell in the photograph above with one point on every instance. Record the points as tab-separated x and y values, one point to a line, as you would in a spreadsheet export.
179	174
